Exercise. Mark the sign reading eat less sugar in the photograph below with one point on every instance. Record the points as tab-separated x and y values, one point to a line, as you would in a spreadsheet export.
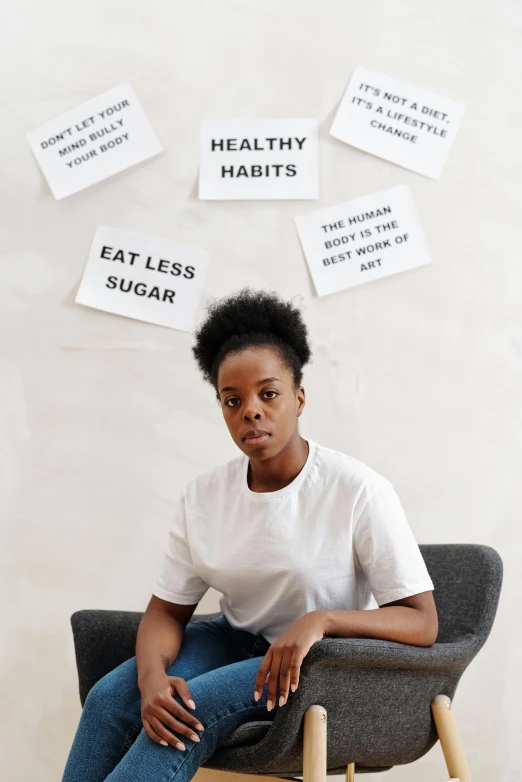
101	137
143	277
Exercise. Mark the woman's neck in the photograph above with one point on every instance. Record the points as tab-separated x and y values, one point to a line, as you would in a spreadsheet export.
280	470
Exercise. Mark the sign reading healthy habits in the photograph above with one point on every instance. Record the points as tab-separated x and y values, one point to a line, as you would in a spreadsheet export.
259	159
94	141
143	277
397	121
362	240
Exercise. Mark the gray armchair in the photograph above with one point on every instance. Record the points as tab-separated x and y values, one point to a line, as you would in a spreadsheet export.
386	703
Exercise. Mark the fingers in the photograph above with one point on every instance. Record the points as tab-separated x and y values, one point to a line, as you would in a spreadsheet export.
283	671
274	678
177	725
182	714
186	724
149	730
284	676
157	737
165	736
183	690
289	674
263	672
164	717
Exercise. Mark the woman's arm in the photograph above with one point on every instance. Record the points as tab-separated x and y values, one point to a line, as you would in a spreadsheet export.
160	636
412	620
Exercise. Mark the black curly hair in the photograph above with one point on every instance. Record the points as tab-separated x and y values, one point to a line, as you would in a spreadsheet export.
249	318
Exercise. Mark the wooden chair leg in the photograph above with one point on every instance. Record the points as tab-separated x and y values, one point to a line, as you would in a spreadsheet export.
314	744
449	739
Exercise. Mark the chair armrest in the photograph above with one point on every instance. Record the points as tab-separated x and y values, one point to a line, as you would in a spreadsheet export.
103	639
377	653
377	695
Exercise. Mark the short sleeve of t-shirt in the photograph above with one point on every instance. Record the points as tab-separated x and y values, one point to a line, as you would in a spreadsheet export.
178	581
387	550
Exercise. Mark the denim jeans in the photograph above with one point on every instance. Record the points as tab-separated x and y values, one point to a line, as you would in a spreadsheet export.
219	663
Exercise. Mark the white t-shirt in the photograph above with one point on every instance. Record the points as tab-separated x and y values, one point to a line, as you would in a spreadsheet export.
335	537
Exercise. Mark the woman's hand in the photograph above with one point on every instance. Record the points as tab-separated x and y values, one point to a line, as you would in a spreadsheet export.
159	710
282	662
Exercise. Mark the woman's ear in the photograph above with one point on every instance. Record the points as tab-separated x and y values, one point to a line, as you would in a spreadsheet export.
301	400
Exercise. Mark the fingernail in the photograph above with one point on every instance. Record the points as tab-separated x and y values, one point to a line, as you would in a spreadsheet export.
165	743
191	704
179	745
282	700
269	705
256	696
194	737
199	726
293	687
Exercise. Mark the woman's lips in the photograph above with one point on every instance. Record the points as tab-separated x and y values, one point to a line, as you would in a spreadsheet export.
257	440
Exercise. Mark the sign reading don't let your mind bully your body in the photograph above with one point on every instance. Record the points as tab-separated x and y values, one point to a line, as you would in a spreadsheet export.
93	141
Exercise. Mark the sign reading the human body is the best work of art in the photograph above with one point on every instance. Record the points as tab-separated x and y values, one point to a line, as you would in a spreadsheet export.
398	121
362	240
101	137
143	277
259	159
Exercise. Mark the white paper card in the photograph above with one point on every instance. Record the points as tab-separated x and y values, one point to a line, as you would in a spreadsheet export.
101	137
397	121
259	159
362	240
143	277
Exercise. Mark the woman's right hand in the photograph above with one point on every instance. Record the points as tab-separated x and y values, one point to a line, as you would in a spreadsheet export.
161	714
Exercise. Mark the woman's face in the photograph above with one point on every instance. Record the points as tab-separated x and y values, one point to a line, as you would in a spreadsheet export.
259	402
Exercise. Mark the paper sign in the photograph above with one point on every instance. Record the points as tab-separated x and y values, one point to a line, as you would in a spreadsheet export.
259	159
93	141
362	240
397	121
143	277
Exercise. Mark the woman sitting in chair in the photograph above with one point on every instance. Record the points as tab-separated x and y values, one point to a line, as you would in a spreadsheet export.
301	540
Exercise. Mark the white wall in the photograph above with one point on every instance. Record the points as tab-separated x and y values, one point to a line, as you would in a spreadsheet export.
104	419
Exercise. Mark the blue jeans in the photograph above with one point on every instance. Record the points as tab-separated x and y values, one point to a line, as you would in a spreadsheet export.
219	663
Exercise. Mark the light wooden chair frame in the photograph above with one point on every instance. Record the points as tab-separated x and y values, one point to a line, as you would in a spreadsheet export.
314	749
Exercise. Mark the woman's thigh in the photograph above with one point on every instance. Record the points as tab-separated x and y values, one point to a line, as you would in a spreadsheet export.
224	700
205	647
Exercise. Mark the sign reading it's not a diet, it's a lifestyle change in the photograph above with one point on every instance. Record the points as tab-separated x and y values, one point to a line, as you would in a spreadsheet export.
259	159
143	277
362	240
397	121
93	141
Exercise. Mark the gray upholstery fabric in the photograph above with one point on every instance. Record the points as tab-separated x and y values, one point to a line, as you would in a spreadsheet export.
377	694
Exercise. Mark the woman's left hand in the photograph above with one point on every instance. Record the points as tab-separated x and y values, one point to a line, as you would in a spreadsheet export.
282	662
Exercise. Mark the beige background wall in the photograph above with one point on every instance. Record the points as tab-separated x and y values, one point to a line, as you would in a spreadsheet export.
104	419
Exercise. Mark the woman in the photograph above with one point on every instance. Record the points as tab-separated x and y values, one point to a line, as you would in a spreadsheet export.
301	540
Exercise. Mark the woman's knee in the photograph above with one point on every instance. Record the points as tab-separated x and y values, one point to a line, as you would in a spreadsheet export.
119	688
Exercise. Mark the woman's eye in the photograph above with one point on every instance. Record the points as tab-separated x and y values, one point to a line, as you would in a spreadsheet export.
233	400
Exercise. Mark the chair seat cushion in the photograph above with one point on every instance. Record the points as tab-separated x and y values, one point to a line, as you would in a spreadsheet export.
248	733
253	732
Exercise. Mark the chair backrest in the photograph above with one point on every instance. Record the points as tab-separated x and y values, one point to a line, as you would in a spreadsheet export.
467	580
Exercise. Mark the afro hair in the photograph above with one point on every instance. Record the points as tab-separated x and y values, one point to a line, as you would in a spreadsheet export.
250	318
